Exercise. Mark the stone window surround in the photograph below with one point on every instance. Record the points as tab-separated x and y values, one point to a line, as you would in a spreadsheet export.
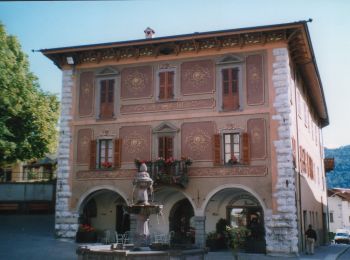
227	62
171	131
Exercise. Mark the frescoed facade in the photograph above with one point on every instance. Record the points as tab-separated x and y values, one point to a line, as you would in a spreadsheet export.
236	115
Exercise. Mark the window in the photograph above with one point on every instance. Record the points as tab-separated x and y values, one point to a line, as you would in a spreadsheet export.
166	85
331	217
107	98
105	153
5	174
231	148
230	88
165	146
165	140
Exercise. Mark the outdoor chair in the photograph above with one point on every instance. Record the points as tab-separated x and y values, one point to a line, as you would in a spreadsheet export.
126	238
119	238
107	237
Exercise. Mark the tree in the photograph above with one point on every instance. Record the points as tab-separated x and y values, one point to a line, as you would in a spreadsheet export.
28	115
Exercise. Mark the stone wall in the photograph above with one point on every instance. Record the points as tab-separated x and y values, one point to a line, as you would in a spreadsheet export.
281	226
66	222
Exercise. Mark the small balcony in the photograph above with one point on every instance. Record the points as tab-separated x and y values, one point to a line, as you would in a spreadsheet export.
329	164
167	172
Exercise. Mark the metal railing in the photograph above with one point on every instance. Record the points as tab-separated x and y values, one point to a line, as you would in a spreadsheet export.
168	173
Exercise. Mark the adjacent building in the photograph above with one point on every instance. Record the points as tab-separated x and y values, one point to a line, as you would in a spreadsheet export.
229	123
339	209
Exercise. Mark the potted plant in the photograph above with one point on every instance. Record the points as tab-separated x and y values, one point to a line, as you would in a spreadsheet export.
217	240
237	237
233	160
86	234
106	165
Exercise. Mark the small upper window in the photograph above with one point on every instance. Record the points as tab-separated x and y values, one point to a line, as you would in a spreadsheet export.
166	85
107	98
230	88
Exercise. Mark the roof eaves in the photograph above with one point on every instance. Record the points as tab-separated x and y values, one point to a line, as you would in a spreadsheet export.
167	38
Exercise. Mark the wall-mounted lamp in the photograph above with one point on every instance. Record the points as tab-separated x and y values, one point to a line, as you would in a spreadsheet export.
70	60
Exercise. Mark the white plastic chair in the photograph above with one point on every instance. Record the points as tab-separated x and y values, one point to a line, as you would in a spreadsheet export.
119	238
126	238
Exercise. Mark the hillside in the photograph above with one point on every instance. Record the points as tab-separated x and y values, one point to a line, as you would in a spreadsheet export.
340	177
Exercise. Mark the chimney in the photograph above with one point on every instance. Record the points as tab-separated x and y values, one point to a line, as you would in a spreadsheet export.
149	33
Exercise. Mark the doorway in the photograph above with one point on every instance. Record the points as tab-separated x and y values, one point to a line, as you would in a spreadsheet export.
180	222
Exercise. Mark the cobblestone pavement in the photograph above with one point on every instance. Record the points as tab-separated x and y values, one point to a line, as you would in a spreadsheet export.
30	237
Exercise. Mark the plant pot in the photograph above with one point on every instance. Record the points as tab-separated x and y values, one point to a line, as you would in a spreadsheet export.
86	237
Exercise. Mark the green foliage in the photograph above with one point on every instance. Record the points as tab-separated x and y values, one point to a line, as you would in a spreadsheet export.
238	236
28	115
221	226
340	176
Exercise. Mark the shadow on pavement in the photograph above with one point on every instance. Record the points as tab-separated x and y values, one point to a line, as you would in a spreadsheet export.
32	237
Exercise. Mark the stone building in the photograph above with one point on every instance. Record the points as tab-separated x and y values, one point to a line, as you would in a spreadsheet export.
245	106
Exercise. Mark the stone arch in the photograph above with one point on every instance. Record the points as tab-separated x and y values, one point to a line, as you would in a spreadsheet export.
183	193
228	186
237	206
84	197
180	217
107	212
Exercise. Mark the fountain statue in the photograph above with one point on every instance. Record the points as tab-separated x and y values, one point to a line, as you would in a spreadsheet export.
141	207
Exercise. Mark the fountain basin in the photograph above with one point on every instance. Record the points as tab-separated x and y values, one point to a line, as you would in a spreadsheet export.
104	252
145	210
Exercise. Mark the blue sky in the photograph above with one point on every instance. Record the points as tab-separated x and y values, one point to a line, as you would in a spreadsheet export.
40	25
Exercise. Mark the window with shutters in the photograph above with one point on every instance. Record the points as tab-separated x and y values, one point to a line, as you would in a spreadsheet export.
166	83
105	153
231	148
106	98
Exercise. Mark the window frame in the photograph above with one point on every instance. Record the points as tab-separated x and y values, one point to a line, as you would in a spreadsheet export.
237	131
166	69
164	137
98	152
99	97
232	145
219	83
107	74
166	129
331	217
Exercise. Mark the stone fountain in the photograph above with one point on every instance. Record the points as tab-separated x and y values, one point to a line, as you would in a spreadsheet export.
142	207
